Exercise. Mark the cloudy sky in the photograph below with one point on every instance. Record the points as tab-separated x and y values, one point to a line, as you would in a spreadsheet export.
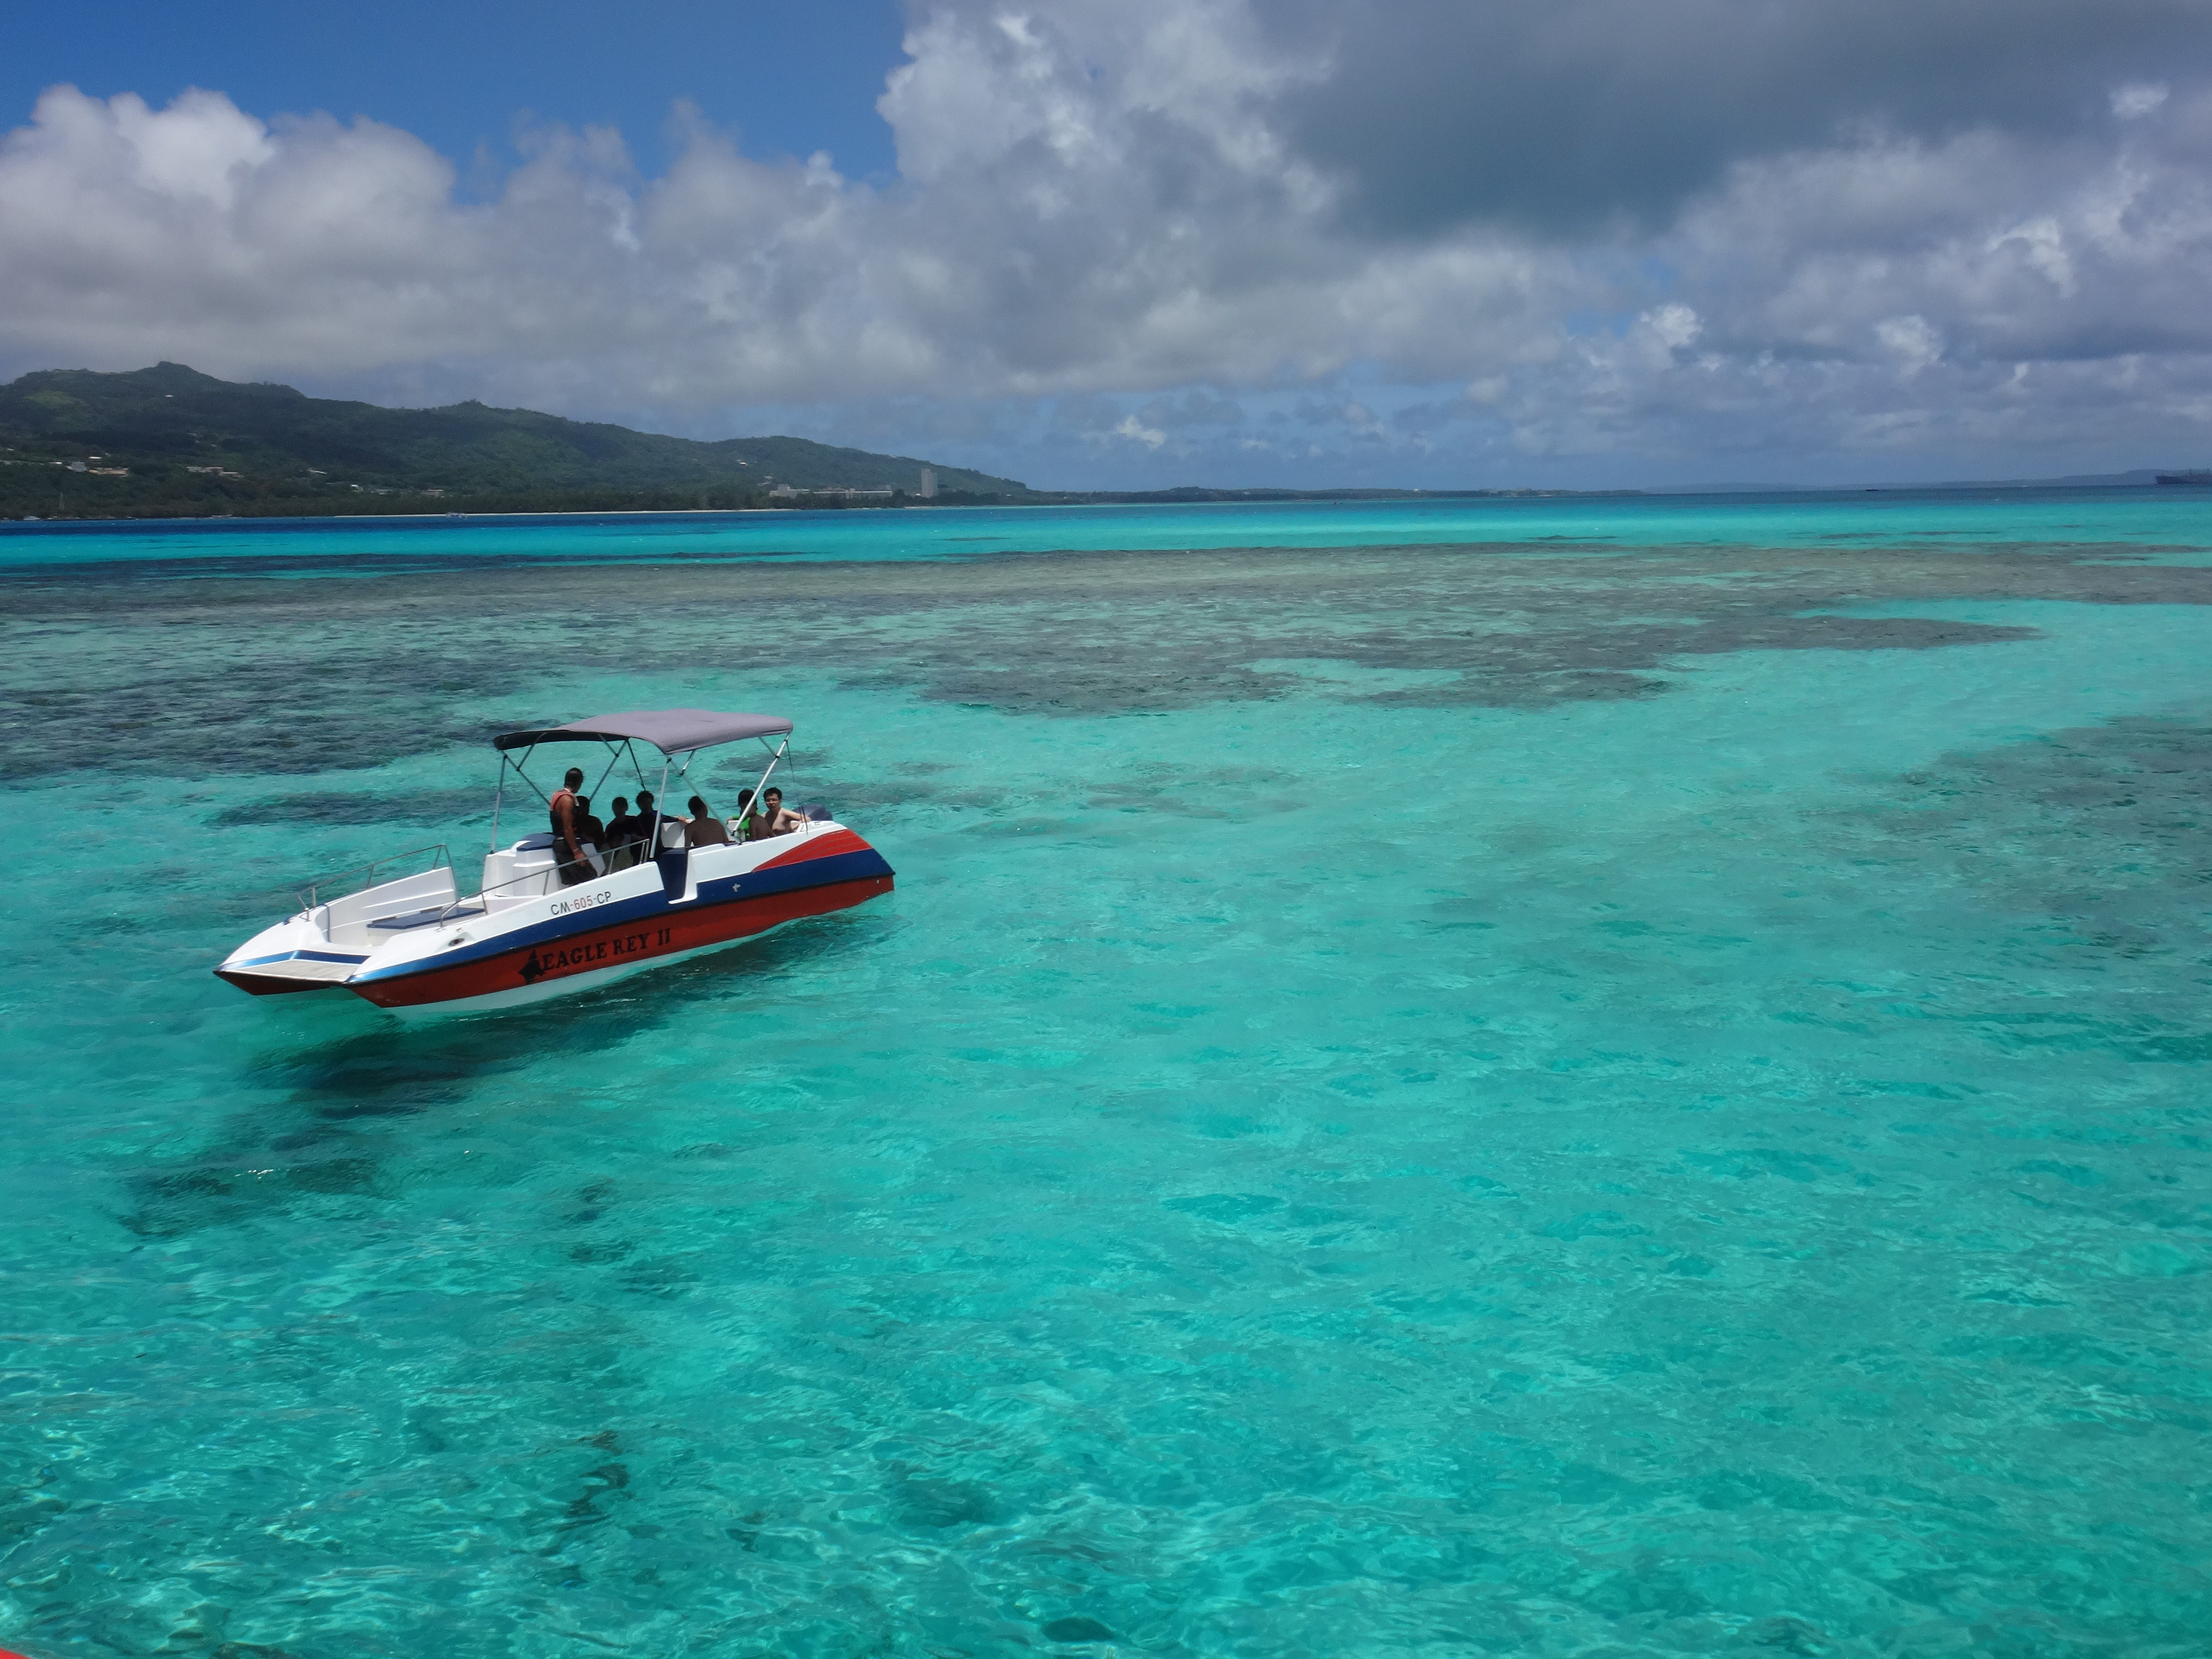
1124	243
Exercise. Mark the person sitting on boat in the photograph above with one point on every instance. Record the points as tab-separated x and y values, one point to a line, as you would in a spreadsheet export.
592	834
567	842
752	822
703	829
773	818
623	834
649	817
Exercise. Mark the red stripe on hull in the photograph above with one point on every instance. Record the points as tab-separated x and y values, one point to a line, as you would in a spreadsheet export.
268	985
664	935
818	847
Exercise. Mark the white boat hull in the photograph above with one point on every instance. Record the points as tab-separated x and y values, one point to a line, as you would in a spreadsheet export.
412	946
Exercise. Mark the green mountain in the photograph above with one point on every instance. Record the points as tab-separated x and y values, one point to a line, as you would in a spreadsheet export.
168	440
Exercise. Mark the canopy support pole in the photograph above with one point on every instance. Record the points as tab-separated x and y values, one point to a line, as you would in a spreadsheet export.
614	759
527	778
761	788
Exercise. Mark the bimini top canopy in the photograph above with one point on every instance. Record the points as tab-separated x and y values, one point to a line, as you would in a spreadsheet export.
671	731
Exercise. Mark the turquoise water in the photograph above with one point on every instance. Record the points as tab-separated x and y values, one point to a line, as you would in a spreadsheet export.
1415	1095
2135	518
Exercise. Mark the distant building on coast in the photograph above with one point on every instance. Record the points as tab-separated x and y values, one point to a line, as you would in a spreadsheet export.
785	492
929	483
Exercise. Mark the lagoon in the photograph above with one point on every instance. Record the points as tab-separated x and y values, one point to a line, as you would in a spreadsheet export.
1605	1075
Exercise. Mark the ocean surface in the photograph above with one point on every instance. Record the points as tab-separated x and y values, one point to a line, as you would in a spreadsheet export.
1605	1077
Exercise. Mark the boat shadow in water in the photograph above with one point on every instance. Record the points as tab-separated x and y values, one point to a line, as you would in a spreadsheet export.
344	1072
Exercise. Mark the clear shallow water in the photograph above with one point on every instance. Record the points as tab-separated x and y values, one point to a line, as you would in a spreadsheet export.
1409	1100
2174	520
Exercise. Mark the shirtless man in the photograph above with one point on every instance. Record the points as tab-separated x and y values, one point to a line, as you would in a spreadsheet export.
567	830
773	818
702	828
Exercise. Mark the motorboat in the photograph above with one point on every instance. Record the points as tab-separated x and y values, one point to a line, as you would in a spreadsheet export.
410	942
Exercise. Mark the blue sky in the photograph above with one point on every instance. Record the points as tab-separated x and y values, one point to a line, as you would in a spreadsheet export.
791	79
1135	243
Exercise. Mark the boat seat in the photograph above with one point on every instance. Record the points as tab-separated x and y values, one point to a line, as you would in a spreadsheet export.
436	912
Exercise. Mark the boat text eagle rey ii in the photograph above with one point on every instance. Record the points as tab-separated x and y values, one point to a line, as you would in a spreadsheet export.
544	922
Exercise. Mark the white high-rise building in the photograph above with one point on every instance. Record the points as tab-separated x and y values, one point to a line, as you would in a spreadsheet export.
928	483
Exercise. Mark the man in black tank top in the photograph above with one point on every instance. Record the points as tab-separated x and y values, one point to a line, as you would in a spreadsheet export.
567	826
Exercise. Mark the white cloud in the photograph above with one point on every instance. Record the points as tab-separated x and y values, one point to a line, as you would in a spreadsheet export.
1108	201
1673	325
1914	343
1151	436
2138	98
2042	243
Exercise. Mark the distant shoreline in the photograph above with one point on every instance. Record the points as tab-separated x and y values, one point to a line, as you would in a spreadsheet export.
1077	498
1224	499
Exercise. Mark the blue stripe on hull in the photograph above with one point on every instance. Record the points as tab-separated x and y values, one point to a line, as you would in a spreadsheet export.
783	877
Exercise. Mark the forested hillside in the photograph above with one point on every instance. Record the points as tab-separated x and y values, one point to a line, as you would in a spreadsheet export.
168	440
